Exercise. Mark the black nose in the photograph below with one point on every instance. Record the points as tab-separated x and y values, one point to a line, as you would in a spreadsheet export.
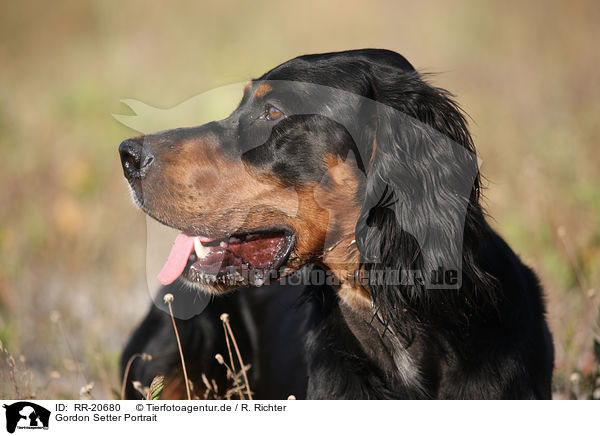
134	158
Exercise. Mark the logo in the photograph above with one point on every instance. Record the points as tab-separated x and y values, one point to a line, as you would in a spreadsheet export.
26	415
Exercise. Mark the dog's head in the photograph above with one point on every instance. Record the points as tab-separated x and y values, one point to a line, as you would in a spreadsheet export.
348	160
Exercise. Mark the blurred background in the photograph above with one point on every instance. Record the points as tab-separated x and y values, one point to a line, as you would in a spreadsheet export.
72	246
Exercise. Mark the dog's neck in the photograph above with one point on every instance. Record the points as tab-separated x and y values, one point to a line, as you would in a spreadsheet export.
369	343
383	346
341	259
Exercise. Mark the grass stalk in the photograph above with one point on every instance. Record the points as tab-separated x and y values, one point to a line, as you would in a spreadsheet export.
225	319
168	299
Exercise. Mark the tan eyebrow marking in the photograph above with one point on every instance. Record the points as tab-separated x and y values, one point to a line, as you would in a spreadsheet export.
262	90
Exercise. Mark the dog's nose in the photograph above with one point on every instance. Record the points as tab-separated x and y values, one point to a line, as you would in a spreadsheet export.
134	159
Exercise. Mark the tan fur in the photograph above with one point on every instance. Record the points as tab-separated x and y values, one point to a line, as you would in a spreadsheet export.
342	256
262	90
174	388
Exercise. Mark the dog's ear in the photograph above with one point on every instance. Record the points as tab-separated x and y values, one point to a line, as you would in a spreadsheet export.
422	185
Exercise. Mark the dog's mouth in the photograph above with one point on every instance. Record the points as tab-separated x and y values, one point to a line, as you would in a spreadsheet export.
242	259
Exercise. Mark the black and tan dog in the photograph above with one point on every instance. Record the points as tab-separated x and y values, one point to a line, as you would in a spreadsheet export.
347	166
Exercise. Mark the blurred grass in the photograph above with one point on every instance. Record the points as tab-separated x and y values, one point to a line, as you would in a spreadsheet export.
72	247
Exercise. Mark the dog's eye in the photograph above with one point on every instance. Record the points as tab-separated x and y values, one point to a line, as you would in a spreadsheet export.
272	113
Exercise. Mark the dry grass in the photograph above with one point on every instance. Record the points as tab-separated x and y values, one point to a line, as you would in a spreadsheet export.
168	298
238	380
72	244
245	388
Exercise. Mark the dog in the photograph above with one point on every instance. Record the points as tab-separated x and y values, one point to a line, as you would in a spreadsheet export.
347	166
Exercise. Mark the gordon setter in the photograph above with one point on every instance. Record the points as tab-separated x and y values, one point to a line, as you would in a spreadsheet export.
340	201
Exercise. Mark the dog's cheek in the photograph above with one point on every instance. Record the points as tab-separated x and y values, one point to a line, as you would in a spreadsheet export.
340	196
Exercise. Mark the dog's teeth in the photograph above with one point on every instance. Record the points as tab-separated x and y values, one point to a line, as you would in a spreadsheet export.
223	244
201	250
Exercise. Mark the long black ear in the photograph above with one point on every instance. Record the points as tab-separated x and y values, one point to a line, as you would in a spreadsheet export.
418	224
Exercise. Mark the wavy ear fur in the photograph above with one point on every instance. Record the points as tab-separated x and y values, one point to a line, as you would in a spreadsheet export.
421	217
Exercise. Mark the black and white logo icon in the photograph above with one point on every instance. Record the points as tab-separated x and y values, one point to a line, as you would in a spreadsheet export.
26	415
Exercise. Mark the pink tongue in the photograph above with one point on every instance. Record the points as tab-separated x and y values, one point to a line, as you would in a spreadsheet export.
182	248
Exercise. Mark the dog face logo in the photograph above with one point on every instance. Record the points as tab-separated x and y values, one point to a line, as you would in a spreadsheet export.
26	415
